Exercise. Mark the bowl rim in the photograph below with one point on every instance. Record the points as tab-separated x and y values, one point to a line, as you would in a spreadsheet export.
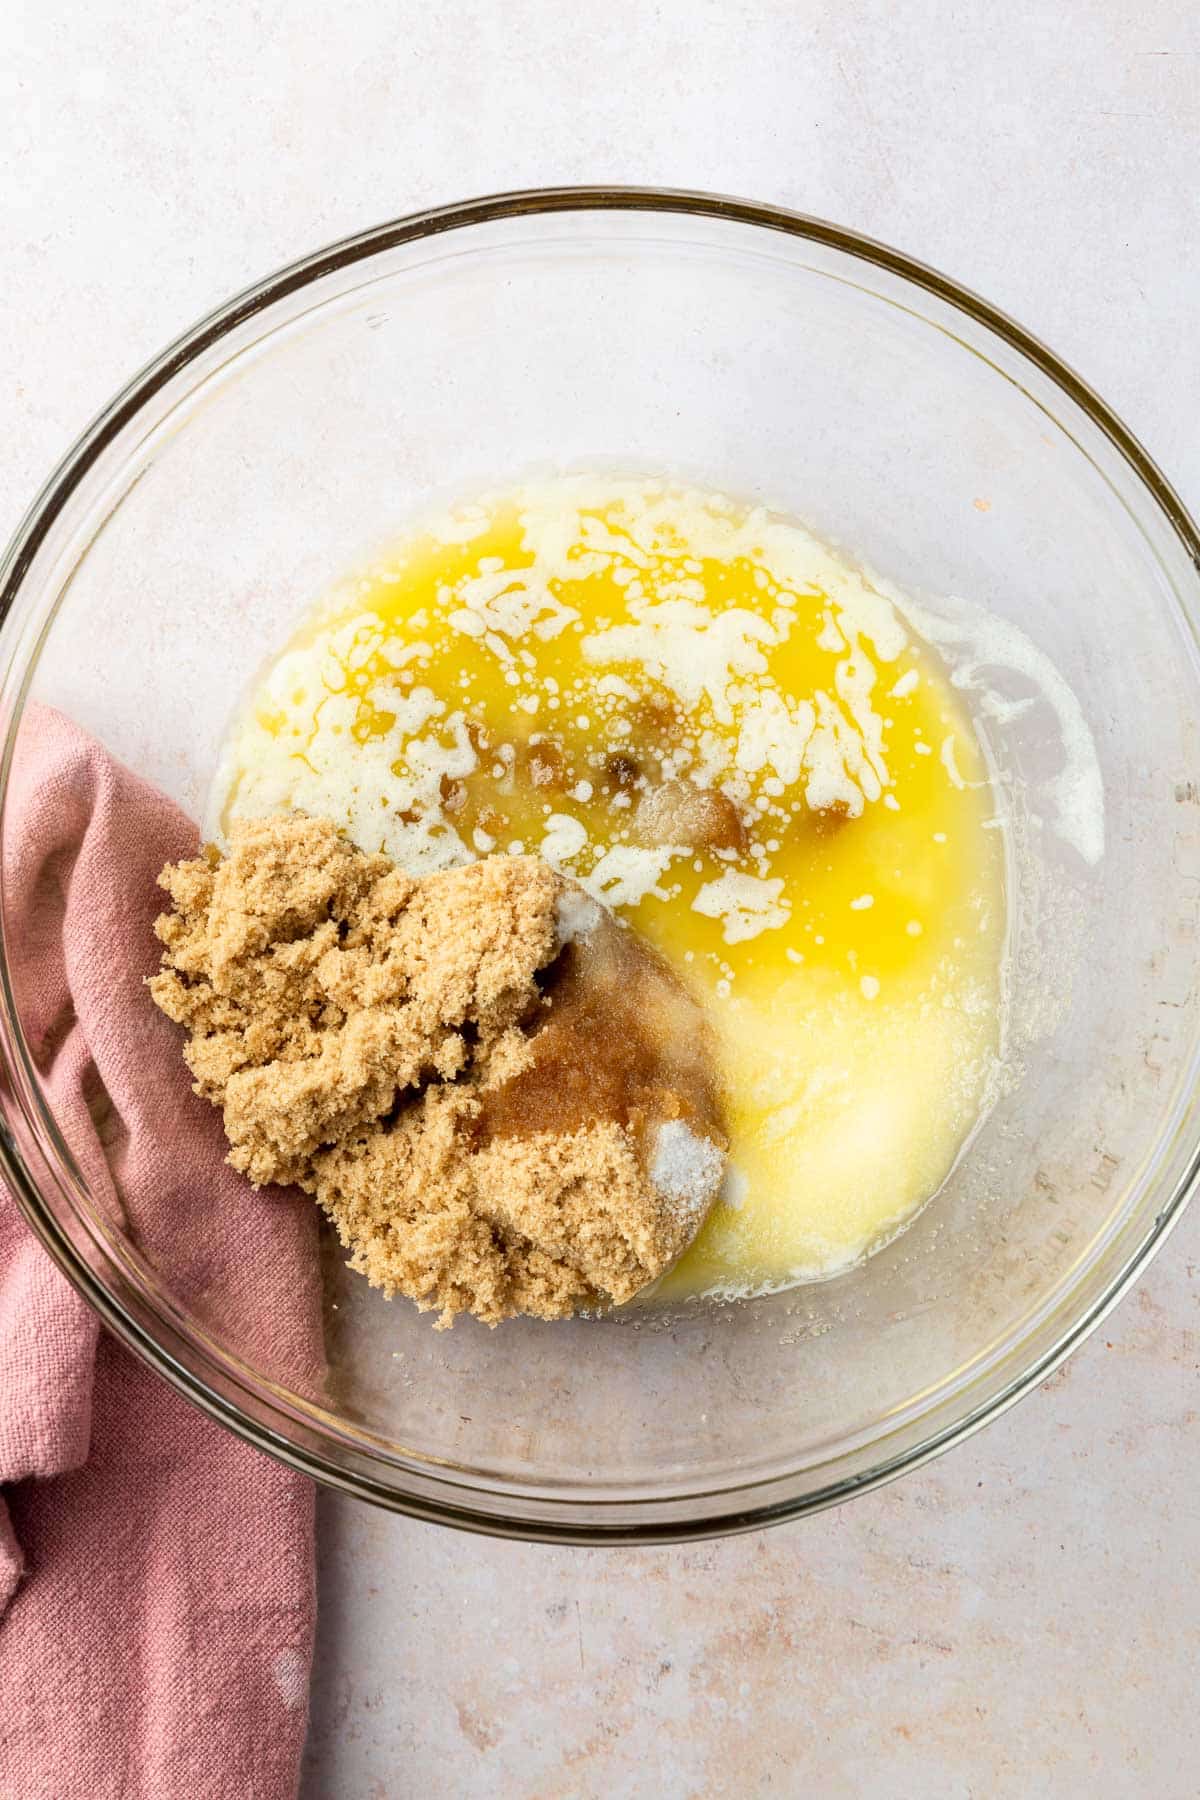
447	1506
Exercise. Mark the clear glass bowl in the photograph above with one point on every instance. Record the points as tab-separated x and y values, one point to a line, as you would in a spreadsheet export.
279	442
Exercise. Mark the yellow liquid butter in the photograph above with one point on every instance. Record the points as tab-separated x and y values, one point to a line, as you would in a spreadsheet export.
563	669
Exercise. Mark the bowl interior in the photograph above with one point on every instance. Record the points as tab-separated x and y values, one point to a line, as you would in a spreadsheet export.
302	434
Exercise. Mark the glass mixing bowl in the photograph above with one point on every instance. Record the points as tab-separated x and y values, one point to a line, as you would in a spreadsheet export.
284	438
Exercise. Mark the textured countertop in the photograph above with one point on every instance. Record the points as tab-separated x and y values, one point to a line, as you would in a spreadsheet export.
1020	1617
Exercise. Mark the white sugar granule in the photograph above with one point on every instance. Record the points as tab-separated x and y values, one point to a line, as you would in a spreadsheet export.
686	1169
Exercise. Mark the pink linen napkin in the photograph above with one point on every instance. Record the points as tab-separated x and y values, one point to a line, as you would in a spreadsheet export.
156	1574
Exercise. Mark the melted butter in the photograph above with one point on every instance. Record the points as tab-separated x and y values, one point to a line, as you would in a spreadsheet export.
530	673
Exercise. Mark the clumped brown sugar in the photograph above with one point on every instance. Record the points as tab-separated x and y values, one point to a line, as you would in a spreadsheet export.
503	1101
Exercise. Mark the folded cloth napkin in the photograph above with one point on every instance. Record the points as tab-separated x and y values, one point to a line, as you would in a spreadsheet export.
156	1574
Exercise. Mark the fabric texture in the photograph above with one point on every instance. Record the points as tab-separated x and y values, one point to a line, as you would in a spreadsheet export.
156	1574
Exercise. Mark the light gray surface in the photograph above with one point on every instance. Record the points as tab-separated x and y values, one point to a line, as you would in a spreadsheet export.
1018	1619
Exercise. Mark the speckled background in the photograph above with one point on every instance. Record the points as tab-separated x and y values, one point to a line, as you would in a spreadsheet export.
1019	1619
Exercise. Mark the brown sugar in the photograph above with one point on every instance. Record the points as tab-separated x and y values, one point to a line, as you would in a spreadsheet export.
617	1041
502	1099
703	818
